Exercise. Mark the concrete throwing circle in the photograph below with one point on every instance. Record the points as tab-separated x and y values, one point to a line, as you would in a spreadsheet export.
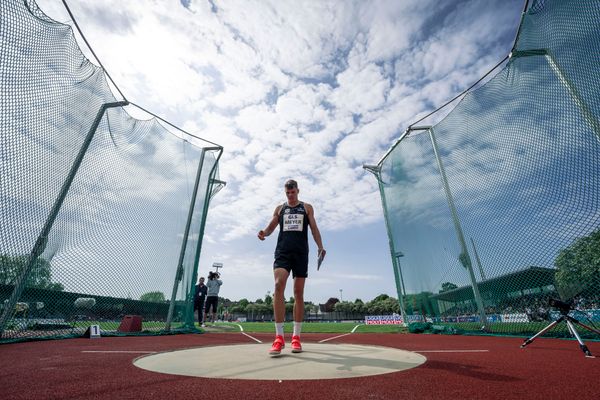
251	361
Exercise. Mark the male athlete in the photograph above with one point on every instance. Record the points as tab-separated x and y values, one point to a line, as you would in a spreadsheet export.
291	254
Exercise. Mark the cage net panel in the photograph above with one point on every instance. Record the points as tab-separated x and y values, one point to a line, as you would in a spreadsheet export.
521	155
115	243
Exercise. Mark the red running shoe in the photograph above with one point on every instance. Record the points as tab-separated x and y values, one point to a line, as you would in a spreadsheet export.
278	344
296	346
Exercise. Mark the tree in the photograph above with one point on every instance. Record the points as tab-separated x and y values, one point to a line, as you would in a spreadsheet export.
382	304
343	306
578	265
257	309
237	309
289	307
311	308
381	297
153	297
268	299
39	277
358	306
421	303
446	286
243	303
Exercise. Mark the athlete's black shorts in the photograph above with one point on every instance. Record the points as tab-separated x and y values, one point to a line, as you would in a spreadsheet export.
211	301
297	263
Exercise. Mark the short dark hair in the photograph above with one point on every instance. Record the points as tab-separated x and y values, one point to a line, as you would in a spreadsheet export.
291	184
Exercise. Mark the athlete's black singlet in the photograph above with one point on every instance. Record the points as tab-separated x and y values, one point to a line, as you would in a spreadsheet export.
293	229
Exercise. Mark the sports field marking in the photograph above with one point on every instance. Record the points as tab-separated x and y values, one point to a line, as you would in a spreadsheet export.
451	351
318	361
251	337
335	337
245	334
117	351
339	336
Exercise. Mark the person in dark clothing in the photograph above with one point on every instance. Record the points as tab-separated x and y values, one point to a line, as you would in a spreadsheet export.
293	217
212	297
199	297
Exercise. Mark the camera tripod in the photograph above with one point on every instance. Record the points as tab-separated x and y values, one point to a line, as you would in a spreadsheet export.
565	308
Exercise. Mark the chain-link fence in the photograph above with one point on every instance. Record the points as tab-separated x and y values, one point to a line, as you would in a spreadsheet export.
101	215
494	210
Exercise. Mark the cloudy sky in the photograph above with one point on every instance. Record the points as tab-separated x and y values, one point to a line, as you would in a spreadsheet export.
309	90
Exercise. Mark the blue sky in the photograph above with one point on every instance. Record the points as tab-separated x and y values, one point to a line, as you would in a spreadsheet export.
306	90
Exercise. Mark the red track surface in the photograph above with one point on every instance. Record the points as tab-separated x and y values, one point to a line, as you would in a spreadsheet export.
547	368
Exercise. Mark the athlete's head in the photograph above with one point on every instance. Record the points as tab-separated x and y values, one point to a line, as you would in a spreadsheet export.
291	190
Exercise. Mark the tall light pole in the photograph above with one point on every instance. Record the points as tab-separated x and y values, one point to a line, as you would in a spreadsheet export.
341	299
398	255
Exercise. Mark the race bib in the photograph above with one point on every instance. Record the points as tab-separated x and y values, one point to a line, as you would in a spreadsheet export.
293	222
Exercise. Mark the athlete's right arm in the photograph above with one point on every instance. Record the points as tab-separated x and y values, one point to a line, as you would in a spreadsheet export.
262	234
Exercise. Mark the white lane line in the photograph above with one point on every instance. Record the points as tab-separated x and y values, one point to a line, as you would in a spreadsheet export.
117	351
450	351
245	334
339	336
251	337
335	337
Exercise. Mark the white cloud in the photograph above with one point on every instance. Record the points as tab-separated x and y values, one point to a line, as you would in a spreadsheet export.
309	90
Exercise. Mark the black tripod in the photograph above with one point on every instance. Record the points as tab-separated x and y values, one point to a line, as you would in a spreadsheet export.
565	308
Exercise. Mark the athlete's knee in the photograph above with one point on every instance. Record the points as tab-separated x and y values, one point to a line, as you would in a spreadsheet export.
279	286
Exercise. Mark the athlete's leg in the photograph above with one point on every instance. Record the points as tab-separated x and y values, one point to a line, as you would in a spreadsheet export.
281	276
298	313
299	299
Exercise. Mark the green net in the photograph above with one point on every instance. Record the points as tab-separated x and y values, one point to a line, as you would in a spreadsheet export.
101	215
494	210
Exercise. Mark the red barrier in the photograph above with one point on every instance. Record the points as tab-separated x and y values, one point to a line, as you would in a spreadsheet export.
131	323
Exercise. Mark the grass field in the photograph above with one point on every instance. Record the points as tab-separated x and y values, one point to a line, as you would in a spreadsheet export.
112	326
516	329
316	327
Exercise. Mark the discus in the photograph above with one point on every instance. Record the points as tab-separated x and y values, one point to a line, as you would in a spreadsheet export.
320	259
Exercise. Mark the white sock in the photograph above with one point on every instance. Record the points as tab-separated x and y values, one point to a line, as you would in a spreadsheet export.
279	328
297	328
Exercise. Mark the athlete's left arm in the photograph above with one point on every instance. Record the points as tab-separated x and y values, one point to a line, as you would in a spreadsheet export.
314	229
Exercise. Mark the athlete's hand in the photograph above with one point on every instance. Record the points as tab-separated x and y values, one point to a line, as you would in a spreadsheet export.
261	235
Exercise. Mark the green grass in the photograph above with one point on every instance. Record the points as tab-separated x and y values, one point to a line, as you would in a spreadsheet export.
113	325
318	327
525	329
516	329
